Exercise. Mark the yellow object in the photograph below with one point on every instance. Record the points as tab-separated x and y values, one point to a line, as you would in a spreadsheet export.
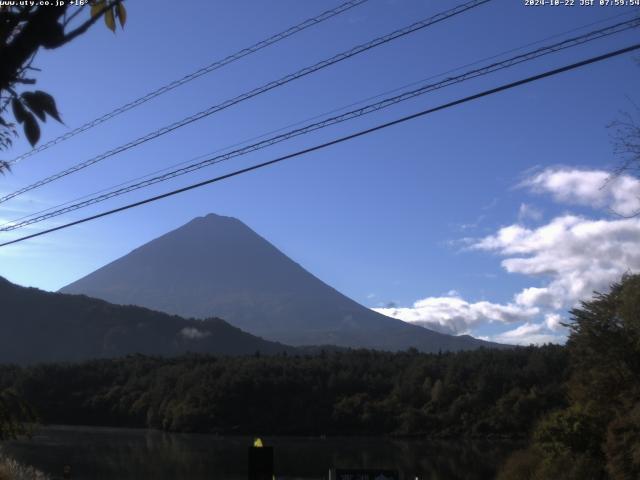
258	443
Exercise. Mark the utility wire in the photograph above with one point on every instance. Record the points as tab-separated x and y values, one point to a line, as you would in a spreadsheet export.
257	91
192	76
374	107
339	140
315	117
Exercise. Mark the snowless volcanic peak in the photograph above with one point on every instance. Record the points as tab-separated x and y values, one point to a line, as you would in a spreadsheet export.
216	266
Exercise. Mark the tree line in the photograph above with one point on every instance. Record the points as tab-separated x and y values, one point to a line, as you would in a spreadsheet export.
479	393
577	406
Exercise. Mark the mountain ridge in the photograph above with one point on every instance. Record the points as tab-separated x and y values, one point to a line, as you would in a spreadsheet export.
38	326
218	266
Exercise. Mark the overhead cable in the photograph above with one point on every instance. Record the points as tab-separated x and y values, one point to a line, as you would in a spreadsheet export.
192	76
252	93
370	108
339	140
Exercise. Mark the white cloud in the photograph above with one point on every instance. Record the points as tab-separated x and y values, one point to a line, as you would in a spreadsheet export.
592	188
528	212
537	296
571	256
454	315
552	321
192	333
528	334
576	254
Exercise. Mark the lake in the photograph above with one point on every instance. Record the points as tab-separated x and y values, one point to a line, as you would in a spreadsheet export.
124	454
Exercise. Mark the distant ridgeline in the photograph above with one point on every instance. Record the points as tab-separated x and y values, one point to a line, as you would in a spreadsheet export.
479	393
177	293
38	326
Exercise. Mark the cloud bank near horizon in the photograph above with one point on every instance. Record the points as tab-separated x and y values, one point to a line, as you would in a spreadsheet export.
573	254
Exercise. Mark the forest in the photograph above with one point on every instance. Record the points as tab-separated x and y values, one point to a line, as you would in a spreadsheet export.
576	407
480	393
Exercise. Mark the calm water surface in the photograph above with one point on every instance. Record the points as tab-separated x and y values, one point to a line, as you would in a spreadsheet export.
122	454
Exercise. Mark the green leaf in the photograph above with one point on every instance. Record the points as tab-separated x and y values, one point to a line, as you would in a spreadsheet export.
19	111
31	129
110	20
121	13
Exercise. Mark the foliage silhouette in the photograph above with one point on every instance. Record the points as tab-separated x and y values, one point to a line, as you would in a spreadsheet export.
597	435
482	393
25	28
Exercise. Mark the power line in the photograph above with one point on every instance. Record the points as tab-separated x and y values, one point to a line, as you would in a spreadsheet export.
196	74
308	119
352	136
323	114
374	107
257	91
331	121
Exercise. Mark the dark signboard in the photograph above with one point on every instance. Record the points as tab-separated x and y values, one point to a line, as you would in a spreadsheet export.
66	472
342	474
260	463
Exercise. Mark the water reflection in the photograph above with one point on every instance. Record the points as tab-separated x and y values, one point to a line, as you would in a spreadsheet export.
110	454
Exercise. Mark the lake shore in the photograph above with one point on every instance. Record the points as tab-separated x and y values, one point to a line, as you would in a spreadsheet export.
99	453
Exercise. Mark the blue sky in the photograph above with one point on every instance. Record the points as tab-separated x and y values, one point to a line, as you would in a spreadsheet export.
410	214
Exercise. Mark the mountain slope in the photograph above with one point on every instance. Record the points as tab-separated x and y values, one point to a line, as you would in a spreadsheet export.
38	326
217	266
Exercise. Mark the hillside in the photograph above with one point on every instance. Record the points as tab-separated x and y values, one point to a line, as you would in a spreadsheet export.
38	326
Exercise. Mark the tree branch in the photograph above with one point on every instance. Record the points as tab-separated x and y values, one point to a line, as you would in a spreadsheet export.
86	25
72	16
